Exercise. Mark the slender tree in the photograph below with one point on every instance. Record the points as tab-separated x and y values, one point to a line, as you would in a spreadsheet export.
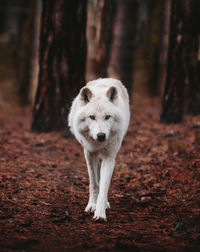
182	60
100	33
154	44
27	41
192	59
2	16
173	100
104	36
124	41
62	62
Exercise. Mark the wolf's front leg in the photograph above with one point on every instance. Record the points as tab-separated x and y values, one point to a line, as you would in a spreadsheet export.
106	172
93	172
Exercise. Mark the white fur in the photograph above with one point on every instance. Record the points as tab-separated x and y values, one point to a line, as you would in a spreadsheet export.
102	106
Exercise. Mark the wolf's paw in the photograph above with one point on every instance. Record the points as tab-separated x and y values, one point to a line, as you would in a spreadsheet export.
99	215
90	207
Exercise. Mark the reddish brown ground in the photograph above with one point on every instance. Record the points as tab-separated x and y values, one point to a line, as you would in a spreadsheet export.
154	195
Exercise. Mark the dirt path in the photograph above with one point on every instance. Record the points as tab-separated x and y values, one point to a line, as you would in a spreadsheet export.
154	194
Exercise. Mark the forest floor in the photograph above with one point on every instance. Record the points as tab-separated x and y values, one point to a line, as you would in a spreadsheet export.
154	193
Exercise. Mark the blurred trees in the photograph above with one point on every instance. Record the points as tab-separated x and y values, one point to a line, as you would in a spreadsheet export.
127	39
62	62
112	37
104	35
156	19
124	38
101	20
192	57
29	45
182	83
151	46
13	15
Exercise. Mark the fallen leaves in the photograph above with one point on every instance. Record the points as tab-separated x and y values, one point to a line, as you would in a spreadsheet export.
154	192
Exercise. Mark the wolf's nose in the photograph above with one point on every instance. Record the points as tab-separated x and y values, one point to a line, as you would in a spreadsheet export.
101	136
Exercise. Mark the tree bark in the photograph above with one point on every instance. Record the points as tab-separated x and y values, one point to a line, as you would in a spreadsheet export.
104	36
124	41
173	100
191	56
100	33
154	45
62	62
27	42
182	60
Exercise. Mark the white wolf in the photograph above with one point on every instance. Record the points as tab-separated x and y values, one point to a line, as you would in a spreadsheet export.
99	118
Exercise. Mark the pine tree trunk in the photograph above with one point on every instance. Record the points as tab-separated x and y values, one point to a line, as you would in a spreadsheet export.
173	100
104	36
191	56
154	46
62	62
27	42
182	73
100	33
124	42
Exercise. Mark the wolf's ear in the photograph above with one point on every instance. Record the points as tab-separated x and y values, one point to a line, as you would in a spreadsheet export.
112	94
86	95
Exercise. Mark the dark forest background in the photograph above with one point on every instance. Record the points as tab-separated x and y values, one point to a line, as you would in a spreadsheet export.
49	49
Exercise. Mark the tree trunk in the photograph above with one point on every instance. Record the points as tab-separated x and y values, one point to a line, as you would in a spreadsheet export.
164	45
173	100
182	59
124	42
100	33
2	16
104	36
154	45
62	62
27	42
191	56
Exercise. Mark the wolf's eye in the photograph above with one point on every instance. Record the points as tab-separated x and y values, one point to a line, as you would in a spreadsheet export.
92	117
107	117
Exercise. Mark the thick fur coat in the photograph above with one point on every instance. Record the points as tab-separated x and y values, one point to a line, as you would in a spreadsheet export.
99	118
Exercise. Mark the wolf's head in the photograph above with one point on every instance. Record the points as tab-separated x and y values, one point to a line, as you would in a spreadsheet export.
99	113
